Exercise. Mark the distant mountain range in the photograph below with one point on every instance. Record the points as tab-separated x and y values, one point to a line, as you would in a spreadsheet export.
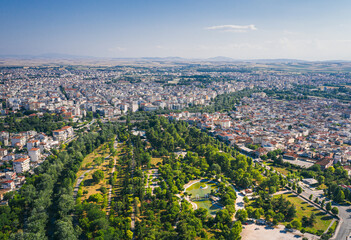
59	56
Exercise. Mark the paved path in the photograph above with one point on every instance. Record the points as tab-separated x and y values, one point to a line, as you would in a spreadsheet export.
187	197
152	174
239	203
111	186
132	224
79	181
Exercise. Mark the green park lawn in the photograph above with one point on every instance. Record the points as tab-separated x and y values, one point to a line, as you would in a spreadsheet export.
281	170
305	209
200	189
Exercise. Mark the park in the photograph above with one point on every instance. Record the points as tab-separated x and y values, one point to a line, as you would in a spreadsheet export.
201	192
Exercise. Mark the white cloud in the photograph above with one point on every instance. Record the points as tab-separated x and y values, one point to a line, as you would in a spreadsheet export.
117	49
233	28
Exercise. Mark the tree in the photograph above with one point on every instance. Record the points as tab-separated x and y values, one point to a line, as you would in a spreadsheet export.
98	175
279	217
320	179
323	203
129	234
291	212
296	224
65	204
335	210
328	207
311	196
258	213
299	190
97	197
241	215
103	190
234	233
216	168
224	217
312	219
65	230
340	196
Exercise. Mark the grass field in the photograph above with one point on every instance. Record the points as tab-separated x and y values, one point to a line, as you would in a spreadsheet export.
207	204
196	189
281	170
90	186
155	160
99	152
305	209
88	183
201	189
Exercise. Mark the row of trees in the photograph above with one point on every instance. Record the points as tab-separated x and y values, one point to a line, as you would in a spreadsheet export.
43	206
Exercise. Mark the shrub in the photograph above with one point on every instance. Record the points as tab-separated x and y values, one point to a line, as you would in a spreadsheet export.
103	190
98	175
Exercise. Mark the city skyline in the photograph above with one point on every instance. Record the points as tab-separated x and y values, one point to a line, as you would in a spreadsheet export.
314	30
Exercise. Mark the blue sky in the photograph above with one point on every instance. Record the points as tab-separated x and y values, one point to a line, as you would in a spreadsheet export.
241	29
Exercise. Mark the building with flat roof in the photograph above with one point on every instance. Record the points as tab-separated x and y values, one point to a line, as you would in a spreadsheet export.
21	165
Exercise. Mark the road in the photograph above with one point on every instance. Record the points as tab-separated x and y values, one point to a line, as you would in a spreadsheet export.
70	140
345	225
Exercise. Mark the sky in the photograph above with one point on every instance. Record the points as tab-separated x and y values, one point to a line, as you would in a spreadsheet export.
240	29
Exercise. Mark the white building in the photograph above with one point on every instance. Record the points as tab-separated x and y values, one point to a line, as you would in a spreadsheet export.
59	135
21	165
69	130
34	154
32	144
18	140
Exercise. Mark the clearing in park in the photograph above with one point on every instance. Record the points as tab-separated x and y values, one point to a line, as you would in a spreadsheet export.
201	195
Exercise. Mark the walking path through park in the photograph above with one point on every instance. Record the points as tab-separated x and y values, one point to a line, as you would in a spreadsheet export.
79	181
111	186
239	203
132	224
152	175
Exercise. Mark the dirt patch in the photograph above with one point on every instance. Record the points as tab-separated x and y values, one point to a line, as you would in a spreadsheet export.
254	232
